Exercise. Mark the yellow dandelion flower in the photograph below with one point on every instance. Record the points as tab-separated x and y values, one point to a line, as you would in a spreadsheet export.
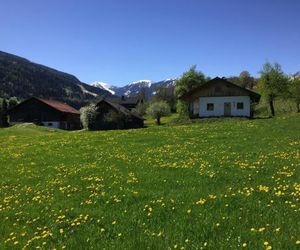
200	202
244	244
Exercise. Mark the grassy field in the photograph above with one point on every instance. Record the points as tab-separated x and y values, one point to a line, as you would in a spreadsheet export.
221	184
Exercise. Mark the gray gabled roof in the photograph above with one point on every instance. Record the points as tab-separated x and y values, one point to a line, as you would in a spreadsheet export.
121	109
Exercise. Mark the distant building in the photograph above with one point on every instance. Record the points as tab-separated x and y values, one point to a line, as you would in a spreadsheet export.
127	102
49	113
115	116
219	97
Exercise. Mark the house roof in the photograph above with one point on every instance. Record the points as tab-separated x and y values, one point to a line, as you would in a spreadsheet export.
121	109
62	107
255	96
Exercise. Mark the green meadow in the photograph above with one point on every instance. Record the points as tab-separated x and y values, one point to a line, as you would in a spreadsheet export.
211	184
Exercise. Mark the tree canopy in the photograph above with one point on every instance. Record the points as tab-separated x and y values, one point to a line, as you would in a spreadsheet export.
158	109
189	80
273	83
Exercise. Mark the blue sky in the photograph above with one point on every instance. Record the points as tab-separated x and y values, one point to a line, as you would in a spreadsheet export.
120	41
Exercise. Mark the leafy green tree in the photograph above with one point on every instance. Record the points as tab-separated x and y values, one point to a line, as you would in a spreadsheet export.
294	91
88	116
246	80
189	80
157	110
273	83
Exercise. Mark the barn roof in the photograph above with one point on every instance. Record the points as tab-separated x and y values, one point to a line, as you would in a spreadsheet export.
121	109
63	107
253	95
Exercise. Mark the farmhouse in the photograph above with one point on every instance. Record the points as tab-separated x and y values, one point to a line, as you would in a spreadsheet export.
219	97
115	116
48	113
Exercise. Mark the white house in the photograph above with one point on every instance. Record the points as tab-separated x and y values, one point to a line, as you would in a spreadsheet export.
218	98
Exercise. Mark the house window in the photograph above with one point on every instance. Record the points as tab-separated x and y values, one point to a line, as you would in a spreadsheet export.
210	106
240	105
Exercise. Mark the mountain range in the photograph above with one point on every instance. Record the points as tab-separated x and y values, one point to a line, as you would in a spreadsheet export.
147	86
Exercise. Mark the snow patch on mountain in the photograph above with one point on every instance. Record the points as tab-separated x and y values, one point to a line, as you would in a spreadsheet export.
104	86
146	83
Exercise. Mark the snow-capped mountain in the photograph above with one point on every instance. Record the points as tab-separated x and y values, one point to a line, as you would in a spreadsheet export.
105	86
136	87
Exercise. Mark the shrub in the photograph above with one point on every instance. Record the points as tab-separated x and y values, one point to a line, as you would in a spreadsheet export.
88	116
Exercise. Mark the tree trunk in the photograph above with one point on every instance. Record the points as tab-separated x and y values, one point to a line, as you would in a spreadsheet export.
158	120
272	107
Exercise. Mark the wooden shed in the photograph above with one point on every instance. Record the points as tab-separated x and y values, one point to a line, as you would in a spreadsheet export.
115	116
219	97
50	113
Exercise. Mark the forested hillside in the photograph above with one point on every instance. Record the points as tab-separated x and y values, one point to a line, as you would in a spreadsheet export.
21	78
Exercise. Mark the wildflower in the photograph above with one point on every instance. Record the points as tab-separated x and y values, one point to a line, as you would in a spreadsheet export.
298	242
189	211
61	230
200	202
114	222
244	244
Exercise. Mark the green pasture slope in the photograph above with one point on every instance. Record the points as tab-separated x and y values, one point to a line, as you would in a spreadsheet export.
222	184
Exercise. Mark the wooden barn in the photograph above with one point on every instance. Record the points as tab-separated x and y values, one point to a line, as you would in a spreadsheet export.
49	113
219	97
115	116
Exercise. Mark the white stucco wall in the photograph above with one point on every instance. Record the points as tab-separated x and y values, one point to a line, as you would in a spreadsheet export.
219	106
